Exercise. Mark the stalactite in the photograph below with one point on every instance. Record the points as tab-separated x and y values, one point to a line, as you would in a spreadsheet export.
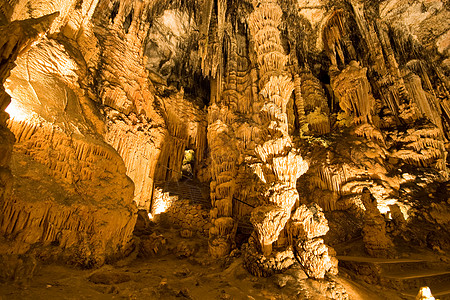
332	34
299	101
58	149
427	103
140	152
223	173
369	132
423	147
315	104
353	92
204	35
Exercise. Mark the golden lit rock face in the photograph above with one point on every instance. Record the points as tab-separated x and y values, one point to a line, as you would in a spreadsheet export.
351	88
86	228
85	204
24	33
268	221
293	110
135	127
374	232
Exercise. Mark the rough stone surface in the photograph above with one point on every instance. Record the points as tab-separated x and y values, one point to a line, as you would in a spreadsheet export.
274	104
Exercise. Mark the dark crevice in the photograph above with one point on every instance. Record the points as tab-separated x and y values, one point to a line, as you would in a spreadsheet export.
128	20
114	11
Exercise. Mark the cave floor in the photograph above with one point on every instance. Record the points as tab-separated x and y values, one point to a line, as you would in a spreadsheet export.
169	278
165	276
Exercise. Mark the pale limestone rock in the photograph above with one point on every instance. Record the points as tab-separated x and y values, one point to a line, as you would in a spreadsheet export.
422	147
123	55
376	241
315	104
281	165
55	139
353	92
313	10
315	257
307	223
261	265
221	234
424	294
426	102
268	222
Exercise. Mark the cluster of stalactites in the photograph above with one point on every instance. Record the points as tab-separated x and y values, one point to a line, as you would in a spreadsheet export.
423	148
427	104
231	132
186	129
312	104
352	89
335	37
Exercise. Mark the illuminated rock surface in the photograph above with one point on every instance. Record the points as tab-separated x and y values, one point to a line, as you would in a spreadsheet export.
208	144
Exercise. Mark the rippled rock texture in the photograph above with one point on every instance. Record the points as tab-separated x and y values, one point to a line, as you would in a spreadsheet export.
287	110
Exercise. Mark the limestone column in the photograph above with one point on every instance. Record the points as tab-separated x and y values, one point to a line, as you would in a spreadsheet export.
280	163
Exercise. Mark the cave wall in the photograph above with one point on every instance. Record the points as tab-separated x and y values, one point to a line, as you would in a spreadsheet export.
344	95
71	197
83	84
366	112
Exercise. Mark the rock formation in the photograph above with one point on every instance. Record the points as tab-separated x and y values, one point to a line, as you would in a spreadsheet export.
25	33
306	227
424	294
375	239
55	143
305	121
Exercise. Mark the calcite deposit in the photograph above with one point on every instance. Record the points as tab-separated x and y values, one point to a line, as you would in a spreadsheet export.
273	135
70	188
307	226
376	242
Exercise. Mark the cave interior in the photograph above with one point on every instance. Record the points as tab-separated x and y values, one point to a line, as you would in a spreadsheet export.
224	149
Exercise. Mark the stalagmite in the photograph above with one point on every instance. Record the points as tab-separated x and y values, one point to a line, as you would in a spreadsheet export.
222	189
376	242
304	229
283	163
269	221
